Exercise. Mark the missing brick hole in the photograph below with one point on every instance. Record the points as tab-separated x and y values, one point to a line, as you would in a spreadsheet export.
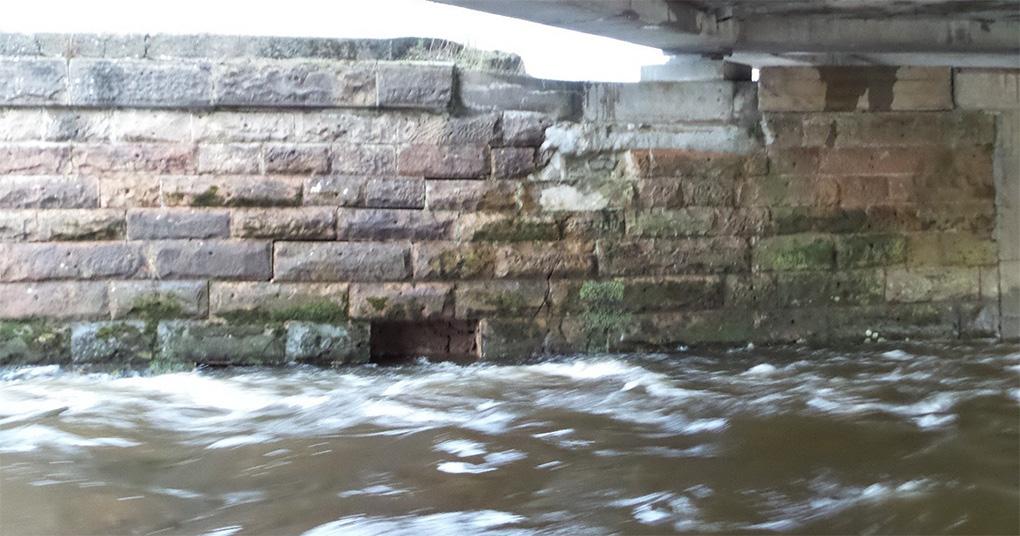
395	343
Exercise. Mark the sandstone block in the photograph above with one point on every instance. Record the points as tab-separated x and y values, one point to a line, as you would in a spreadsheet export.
125	191
500	298
501	227
932	284
34	159
524	128
81	224
689	163
987	89
790	191
18	225
360	159
68	124
471	195
401	301
147	126
244	127
482	129
537	259
221	259
511	162
668	257
638	295
328	344
849	88
17	124
284	223
158	224
860	251
57	300
295	83
453	260
134	157
952	249
110	342
139	83
483	91
443	161
415	85
297	159
155	300
263	301
347	261
34	342
56	260
809	288
365	192
582	196
805	251
230	158
33	81
243	191
691	221
389	224
511	339
184	341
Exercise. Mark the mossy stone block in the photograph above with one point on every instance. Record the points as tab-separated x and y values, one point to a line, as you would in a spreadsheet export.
334	344
111	342
807	251
34	342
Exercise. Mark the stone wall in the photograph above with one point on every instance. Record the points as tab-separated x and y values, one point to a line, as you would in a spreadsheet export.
238	200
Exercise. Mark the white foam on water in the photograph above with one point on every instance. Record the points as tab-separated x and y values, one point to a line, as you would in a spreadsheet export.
442	524
461	447
763	369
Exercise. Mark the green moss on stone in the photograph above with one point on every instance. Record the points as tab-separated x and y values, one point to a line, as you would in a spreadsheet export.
795	252
208	198
319	311
34	341
601	313
377	303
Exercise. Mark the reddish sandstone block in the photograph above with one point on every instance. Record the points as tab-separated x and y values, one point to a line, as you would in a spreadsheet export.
471	195
848	88
689	163
388	224
242	191
500	298
297	159
144	157
34	159
342	261
365	192
286	301
401	301
443	161
863	191
453	260
537	259
48	192
155	224
130	191
510	162
57	300
220	259
362	159
524	128
230	158
284	223
667	257
43	261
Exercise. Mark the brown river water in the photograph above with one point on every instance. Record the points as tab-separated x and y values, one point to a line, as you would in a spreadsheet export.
904	439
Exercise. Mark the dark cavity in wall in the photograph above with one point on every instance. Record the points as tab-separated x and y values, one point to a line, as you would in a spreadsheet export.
439	340
844	87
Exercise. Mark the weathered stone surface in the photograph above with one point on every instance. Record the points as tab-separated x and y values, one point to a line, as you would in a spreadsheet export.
500	298
987	89
350	159
389	224
18	225
486	91
285	223
54	260
860	251
57	300
638	295
932	284
32	81
524	128
121	192
807	251
511	339
139	83
443	161
144	126
156	300
951	249
34	159
221	259
157	224
34	342
510	162
244	191
690	163
667	257
537	259
182	341
849	88
111	342
415	85
348	261
582	196
789	191
481	129
297	159
604	224
890	129
244	127
80	224
295	83
659	102
671	330
453	260
808	288
401	301
311	302
365	192
21	124
233	158
471	195
502	227
691	221
134	157
333	344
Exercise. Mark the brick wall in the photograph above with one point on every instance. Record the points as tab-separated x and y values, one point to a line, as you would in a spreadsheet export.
181	200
